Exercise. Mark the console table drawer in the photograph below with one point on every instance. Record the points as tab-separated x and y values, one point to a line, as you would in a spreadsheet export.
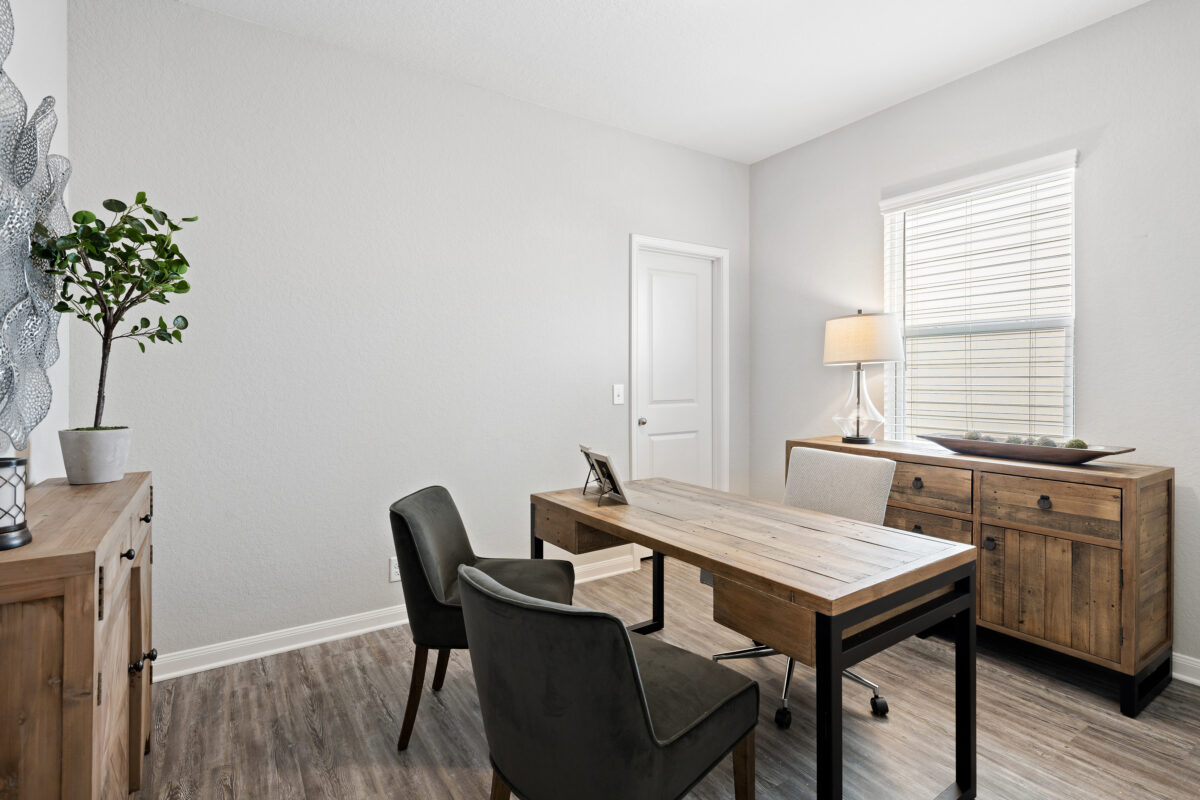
935	487
958	530
1079	508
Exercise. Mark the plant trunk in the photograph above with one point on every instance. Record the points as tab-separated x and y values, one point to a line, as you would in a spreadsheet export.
105	349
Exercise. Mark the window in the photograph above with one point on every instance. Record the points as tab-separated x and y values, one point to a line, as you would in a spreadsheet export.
982	273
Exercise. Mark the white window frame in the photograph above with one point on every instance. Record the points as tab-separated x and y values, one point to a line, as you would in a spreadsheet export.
896	412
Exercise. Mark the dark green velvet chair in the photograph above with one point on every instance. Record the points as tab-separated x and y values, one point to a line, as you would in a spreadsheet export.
431	544
576	707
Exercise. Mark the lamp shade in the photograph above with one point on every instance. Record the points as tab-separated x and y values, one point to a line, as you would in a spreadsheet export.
863	338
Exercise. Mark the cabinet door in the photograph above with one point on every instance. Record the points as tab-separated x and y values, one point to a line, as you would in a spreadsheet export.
139	682
1058	590
111	727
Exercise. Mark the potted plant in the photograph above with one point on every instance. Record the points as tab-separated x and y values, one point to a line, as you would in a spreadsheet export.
106	272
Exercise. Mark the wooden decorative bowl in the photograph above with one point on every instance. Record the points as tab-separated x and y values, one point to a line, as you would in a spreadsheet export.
1024	452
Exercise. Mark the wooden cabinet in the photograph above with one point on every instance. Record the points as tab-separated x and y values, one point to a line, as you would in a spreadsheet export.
1076	559
74	626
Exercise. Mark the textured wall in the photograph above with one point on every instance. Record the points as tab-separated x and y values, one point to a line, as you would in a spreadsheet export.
38	65
398	281
1122	92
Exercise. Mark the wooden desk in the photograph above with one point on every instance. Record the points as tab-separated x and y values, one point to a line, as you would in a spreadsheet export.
841	590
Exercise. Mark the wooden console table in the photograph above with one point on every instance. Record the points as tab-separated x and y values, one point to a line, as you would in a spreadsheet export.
1076	559
75	643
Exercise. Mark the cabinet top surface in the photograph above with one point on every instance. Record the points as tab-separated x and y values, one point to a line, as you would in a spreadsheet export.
70	520
930	453
827	563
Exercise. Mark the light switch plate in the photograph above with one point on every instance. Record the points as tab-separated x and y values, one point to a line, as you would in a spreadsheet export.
618	394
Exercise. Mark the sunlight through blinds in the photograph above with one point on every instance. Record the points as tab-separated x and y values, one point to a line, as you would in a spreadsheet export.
982	272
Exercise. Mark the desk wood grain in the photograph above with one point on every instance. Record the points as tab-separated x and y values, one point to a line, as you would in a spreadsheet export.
823	563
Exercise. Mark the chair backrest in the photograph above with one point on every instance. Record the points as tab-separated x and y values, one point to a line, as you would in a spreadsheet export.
562	702
431	542
839	483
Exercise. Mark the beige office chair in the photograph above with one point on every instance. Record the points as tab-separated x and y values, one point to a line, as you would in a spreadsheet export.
850	486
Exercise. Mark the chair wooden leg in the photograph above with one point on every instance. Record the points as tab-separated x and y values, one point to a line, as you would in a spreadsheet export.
414	697
439	672
500	790
743	768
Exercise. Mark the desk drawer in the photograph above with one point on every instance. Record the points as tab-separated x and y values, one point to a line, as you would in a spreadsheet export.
943	488
1078	508
765	618
956	530
560	527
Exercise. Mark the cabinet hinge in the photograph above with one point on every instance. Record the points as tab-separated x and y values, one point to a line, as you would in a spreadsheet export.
100	598
99	686
152	500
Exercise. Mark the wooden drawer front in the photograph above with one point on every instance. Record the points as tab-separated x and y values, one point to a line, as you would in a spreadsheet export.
764	618
935	487
1054	589
957	530
560	528
1072	507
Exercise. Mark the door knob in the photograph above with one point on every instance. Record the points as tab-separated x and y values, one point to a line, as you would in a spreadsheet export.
641	421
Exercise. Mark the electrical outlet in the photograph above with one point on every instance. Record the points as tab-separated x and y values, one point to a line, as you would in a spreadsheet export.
393	570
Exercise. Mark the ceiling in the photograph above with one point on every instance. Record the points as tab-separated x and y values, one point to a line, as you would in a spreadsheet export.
742	79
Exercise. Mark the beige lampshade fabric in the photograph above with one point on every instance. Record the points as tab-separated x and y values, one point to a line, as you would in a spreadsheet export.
865	338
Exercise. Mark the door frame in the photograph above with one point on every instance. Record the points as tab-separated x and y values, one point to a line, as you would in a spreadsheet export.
720	345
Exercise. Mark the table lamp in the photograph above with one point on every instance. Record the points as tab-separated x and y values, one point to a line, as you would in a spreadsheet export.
861	339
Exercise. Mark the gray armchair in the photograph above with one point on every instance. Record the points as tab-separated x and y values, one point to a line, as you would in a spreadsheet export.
431	544
575	706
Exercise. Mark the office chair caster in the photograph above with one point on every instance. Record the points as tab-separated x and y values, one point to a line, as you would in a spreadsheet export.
783	717
879	706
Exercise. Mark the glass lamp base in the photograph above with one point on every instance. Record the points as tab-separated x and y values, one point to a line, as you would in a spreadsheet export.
858	418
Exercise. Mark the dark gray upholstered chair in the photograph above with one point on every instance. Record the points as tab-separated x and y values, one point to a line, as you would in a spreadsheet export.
852	486
431	544
576	707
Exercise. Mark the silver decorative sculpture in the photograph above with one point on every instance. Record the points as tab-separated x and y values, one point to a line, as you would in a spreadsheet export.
31	203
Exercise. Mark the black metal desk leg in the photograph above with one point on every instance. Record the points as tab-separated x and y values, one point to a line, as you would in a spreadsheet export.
655	623
537	548
964	692
829	709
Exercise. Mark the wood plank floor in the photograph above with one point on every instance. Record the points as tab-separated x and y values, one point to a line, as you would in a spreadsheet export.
322	722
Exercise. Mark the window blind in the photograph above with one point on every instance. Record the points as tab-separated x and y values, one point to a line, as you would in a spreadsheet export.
982	273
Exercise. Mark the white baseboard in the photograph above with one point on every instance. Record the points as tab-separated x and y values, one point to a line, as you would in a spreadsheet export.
1186	669
222	654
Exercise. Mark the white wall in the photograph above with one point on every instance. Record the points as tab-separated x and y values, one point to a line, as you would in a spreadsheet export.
398	281
38	65
1124	92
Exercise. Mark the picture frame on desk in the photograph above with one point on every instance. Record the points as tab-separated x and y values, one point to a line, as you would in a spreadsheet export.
606	476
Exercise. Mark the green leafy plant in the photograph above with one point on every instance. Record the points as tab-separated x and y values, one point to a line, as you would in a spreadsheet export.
107	270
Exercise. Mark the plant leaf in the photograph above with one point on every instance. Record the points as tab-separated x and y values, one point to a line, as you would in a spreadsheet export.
115	206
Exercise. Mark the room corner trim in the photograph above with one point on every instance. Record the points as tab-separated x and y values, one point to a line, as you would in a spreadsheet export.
221	654
1186	669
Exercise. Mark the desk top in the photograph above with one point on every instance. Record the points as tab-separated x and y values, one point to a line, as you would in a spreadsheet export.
826	563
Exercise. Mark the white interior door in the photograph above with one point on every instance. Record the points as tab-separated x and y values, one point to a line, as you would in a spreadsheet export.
673	378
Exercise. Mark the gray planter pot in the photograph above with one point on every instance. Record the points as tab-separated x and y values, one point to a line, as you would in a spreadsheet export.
95	456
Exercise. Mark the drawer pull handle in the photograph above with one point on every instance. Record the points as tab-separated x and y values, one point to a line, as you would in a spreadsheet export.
146	518
137	666
989	543
918	484
1044	502
152	655
917	529
128	554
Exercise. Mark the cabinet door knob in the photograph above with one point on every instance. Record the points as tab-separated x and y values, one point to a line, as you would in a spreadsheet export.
128	554
917	529
137	666
989	543
918	484
1044	502
152	655
147	518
